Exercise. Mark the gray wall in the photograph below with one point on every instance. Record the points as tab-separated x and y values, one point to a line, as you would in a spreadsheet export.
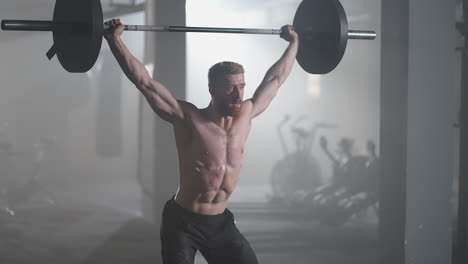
94	128
418	139
431	114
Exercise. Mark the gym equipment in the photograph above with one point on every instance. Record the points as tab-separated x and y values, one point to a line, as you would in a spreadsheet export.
78	28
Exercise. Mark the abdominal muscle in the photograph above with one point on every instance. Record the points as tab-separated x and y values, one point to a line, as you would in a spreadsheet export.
207	190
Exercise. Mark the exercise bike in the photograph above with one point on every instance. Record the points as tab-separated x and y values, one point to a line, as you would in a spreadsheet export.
352	190
298	170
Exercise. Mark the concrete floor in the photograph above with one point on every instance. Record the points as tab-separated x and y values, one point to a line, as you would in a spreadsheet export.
80	231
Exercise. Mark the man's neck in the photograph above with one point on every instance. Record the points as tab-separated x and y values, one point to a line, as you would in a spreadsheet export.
223	121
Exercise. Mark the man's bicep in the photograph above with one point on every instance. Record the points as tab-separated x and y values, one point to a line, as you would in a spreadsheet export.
162	101
263	96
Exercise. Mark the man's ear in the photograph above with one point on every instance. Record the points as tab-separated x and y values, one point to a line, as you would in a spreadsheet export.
210	88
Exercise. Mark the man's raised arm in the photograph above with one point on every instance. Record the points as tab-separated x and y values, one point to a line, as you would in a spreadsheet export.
277	74
158	96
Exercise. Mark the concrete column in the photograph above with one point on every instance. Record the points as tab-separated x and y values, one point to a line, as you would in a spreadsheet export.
431	90
461	253
393	127
417	133
158	157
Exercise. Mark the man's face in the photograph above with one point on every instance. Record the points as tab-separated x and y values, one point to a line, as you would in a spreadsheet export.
227	92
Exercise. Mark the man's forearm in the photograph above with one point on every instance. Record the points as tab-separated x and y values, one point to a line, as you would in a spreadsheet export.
283	66
131	66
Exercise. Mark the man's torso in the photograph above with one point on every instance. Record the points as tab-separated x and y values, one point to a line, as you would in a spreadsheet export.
210	159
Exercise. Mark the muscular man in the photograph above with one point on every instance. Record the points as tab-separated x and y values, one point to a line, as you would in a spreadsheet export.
210	144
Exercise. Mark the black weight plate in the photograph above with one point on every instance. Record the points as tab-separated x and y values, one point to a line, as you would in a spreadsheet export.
78	34
323	31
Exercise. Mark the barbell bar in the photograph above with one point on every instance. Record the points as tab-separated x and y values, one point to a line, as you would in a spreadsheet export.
44	25
78	27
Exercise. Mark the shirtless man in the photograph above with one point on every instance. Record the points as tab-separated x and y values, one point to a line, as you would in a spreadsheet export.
210	144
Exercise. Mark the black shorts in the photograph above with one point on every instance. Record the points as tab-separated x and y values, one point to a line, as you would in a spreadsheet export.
183	232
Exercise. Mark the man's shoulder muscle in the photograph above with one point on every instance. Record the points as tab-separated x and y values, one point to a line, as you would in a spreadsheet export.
247	108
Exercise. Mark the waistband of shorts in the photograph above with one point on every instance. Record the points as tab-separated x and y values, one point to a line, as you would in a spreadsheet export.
200	218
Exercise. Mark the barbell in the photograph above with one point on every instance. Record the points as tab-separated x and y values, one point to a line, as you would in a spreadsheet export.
78	28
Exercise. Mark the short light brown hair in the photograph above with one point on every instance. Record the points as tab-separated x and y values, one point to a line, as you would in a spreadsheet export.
223	68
